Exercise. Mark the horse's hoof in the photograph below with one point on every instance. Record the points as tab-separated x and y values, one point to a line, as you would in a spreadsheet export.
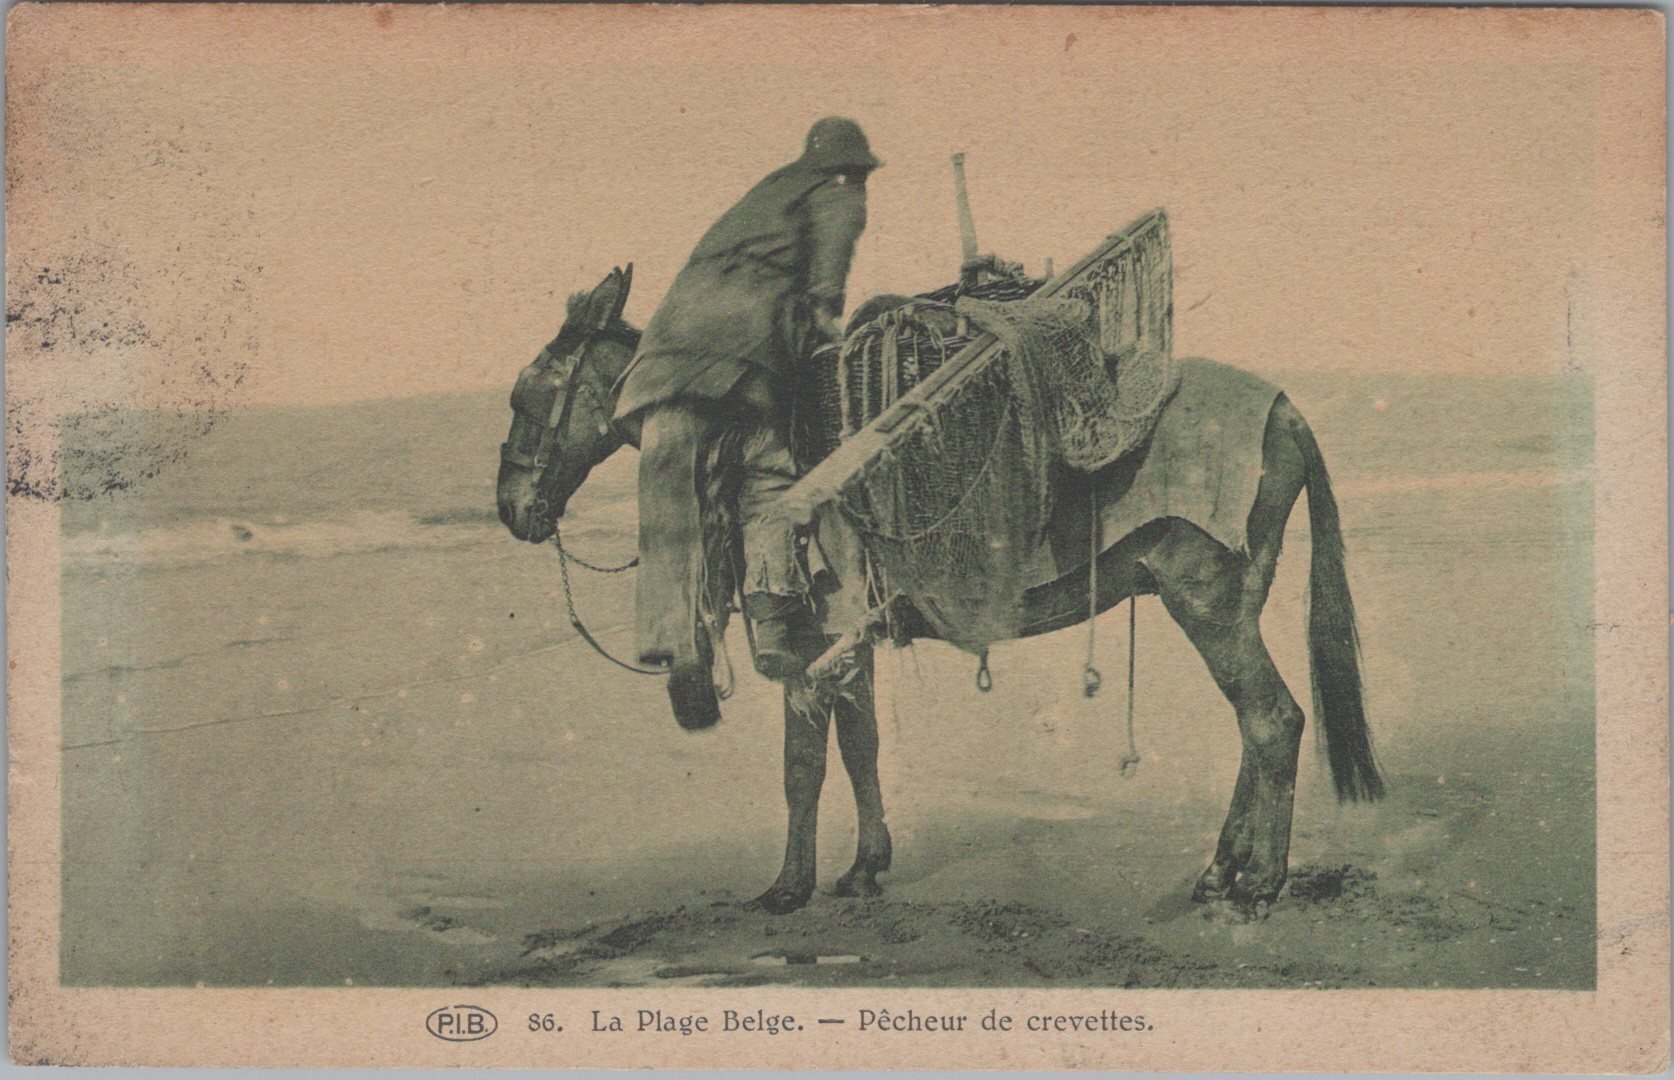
1224	912
1240	912
780	901
692	695
857	884
1254	903
1214	884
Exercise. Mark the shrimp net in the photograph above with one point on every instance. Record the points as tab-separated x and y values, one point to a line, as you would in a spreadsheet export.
955	508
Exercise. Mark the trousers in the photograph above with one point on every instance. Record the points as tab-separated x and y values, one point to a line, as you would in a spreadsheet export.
675	448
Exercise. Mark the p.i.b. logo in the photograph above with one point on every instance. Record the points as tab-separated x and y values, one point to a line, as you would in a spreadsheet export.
461	1023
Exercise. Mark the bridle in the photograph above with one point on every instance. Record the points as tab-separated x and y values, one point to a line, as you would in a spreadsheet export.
565	373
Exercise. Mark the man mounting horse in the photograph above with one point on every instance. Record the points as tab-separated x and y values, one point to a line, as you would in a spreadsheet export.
1196	516
764	288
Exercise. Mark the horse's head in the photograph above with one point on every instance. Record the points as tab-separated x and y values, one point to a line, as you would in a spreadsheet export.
561	410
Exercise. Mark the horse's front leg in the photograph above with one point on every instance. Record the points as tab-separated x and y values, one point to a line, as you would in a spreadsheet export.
857	738
806	734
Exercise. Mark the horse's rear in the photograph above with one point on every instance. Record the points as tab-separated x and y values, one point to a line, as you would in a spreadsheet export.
1213	572
1217	596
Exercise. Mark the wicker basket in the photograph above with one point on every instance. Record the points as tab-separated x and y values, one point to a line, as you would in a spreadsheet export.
856	381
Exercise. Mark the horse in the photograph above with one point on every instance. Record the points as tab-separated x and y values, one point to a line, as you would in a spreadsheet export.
1215	594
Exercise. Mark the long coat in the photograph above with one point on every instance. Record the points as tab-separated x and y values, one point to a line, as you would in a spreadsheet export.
747	299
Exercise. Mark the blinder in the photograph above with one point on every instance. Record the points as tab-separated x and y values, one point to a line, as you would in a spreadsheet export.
541	402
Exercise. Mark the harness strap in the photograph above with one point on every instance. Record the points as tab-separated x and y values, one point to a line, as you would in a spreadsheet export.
516	457
566	372
1091	680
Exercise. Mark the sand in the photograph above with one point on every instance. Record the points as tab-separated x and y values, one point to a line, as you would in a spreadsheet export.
337	751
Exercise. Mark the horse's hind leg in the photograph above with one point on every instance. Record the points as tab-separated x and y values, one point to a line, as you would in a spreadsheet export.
1232	851
857	738
1270	722
1217	597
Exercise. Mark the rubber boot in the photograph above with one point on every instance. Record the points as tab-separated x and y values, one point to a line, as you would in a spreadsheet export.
691	689
691	694
780	623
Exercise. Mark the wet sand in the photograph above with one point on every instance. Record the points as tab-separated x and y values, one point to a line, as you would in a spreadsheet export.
395	765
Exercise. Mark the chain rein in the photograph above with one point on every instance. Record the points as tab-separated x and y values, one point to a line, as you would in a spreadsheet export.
564	559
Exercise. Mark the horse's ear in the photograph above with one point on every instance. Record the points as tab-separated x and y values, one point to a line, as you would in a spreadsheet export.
606	301
625	278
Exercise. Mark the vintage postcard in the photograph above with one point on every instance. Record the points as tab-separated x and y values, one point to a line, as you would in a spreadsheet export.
837	537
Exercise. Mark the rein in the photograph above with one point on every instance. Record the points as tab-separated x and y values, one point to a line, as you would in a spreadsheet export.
580	628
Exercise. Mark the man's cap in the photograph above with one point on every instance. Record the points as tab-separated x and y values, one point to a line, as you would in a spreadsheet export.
836	144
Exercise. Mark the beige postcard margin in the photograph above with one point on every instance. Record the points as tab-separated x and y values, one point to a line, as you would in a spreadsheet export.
1621	1026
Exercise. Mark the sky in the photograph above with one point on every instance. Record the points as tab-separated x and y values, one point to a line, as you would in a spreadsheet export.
341	203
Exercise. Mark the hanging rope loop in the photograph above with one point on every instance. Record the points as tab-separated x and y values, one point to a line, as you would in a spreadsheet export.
1091	680
984	677
1130	760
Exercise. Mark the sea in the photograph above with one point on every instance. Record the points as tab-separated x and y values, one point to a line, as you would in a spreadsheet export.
152	489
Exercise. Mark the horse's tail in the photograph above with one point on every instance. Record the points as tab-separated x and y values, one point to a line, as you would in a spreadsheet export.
1333	642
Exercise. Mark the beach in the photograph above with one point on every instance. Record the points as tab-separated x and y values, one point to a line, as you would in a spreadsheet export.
325	723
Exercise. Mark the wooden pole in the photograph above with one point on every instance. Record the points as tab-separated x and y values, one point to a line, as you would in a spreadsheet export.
967	223
967	236
832	661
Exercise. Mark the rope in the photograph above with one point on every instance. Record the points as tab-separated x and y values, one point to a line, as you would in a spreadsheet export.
724	678
1091	680
721	675
575	619
1130	760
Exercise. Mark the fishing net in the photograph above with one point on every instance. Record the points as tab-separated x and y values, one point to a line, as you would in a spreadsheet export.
1068	393
955	503
952	511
